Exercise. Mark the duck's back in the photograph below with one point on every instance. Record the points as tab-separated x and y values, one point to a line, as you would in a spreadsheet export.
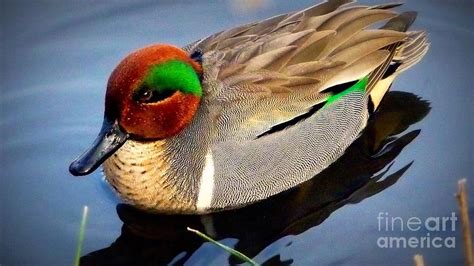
286	96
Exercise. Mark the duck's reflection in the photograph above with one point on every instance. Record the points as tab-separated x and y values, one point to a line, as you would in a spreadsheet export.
158	239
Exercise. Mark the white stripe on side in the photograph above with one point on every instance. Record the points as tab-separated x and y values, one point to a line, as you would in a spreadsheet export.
206	184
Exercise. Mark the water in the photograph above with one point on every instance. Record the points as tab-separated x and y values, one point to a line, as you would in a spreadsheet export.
56	58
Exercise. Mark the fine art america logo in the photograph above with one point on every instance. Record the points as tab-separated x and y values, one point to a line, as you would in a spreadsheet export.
391	224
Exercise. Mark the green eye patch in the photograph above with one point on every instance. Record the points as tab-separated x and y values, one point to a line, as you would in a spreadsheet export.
173	75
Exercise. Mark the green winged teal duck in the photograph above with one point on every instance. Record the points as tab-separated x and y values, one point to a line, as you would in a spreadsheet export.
248	112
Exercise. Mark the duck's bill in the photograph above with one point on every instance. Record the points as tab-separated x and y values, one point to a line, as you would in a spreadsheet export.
110	139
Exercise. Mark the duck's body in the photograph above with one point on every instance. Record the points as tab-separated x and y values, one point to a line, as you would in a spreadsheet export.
279	101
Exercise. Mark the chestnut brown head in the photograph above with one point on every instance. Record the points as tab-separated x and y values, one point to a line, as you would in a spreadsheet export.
152	94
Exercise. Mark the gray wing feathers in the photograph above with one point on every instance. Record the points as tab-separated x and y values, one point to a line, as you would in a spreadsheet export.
262	74
249	171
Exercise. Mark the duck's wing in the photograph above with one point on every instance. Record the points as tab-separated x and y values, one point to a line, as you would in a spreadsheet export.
264	74
295	69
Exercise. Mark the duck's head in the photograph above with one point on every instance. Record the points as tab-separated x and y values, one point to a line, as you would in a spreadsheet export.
152	94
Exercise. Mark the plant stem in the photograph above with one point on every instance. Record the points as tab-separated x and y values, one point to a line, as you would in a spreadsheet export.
224	247
418	260
82	230
466	228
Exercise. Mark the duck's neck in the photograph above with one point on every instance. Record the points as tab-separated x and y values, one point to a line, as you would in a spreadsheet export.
148	176
161	176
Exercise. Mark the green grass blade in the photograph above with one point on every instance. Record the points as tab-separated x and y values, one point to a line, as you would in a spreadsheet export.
224	247
82	230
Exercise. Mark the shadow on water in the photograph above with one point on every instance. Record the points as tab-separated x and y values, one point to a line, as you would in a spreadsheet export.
359	174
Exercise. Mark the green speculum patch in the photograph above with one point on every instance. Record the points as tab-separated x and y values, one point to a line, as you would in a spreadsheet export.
359	86
173	75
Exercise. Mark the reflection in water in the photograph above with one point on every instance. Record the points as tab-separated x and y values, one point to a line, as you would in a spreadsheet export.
159	239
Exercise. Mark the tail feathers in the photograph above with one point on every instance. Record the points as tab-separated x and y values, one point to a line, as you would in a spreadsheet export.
387	6
404	55
401	22
413	50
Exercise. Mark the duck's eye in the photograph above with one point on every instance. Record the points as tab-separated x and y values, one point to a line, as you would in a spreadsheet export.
148	95
145	96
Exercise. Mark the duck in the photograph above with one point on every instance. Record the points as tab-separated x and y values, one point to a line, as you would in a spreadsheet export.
249	112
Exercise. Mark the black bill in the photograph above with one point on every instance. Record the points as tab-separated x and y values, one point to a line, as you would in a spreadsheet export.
110	139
